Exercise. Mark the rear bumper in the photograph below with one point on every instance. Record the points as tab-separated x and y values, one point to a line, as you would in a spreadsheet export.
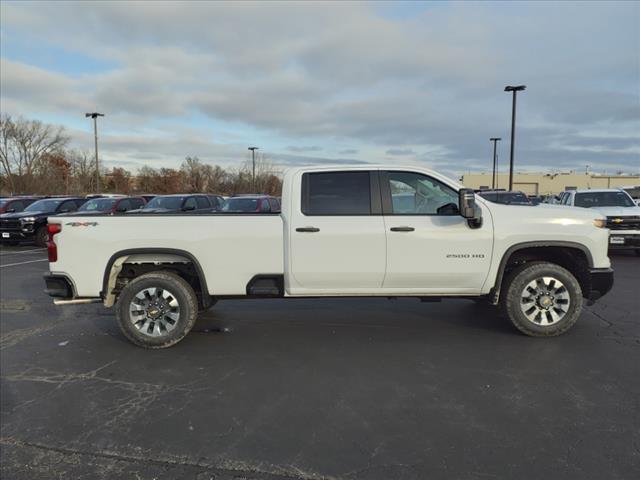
58	286
601	282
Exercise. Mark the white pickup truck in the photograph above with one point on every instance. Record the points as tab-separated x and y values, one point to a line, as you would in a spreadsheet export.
370	231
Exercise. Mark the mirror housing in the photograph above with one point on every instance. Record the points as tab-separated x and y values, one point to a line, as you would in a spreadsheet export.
468	208
188	208
467	203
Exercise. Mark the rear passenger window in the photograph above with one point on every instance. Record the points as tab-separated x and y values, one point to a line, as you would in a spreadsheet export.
336	193
203	202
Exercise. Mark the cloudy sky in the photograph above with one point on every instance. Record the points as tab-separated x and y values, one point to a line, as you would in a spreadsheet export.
332	82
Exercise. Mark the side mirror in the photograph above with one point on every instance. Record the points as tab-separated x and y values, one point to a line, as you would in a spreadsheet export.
467	203
121	208
187	208
11	210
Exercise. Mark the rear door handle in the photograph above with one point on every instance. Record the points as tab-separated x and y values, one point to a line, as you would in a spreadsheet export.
402	229
307	229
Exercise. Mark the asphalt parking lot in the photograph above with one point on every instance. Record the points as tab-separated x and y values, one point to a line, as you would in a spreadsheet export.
310	389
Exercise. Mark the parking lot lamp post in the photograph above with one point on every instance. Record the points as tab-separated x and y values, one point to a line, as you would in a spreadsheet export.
515	90
495	161
95	116
253	174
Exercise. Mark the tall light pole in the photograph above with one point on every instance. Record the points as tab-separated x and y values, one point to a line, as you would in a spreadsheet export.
515	90
253	161
495	161
95	116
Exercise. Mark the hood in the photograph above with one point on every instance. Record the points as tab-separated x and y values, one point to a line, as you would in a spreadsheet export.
616	211
18	215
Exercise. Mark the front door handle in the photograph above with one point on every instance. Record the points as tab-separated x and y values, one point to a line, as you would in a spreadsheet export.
307	229
402	229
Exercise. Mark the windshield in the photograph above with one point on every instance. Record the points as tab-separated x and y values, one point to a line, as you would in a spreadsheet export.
241	205
603	199
98	205
43	206
170	203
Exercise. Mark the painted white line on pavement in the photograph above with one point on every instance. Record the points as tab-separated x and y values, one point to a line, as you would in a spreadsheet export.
23	251
24	263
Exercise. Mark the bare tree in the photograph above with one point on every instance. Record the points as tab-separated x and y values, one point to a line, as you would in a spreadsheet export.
24	146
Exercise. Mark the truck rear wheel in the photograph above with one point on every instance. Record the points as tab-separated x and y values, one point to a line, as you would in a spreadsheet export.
542	299
157	309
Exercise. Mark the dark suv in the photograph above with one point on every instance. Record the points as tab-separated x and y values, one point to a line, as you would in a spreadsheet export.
177	203
31	224
109	205
252	204
15	204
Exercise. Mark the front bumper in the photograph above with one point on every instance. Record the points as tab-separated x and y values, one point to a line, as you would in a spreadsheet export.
15	236
601	280
623	241
58	286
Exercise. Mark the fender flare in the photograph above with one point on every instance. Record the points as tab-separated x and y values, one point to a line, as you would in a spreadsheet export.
494	293
105	294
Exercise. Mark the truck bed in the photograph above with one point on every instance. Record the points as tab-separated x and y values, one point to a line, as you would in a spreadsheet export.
230	248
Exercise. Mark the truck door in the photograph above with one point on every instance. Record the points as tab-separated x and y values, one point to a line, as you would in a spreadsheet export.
336	233
430	247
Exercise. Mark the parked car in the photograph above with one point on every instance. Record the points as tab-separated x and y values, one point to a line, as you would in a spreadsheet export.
623	215
15	204
252	204
338	235
109	205
177	203
505	197
31	223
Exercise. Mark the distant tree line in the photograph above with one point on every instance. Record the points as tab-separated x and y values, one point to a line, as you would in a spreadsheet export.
35	159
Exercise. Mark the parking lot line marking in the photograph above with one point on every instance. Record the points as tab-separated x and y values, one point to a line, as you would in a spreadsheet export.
23	263
24	251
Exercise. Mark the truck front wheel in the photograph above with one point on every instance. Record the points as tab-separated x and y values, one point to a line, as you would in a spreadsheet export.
157	309
542	299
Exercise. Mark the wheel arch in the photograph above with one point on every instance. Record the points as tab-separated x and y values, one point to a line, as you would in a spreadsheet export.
157	256
573	256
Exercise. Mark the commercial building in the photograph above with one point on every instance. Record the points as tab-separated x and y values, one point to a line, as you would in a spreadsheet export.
550	183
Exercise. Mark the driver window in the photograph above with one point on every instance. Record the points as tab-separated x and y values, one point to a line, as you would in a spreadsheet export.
416	194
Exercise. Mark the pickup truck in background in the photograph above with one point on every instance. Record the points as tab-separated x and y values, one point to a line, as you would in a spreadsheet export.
31	223
620	210
369	231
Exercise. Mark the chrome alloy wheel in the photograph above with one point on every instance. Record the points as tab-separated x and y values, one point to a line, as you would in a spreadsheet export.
545	301
154	311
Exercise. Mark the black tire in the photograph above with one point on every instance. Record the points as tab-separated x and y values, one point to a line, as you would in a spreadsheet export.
42	236
513	304
178	288
637	252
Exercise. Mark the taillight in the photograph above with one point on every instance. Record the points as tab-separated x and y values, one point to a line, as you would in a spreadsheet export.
52	248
